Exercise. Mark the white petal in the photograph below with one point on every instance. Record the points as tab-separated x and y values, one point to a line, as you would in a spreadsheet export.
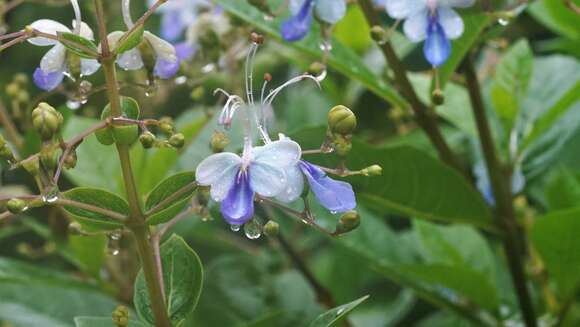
267	180
86	31
113	38
54	60
294	185
451	22
220	188
457	3
400	9
130	60
295	6
163	49
47	26
89	66
415	27
211	168
283	153
331	11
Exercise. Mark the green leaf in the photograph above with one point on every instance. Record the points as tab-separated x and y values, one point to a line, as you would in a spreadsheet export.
183	183
122	134
89	252
358	38
475	23
182	280
102	322
98	198
341	58
79	45
333	316
555	236
131	41
557	16
512	78
563	190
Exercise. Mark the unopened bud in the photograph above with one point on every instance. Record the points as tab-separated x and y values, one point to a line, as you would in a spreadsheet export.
16	206
437	97
46	120
12	90
374	170
166	125
316	68
48	158
378	34
71	160
32	165
147	140
257	38
21	79
219	141
23	97
5	151
121	316
348	221
177	140
74	228
271	228
341	120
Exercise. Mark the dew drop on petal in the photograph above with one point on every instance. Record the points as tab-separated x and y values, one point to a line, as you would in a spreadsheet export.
235	228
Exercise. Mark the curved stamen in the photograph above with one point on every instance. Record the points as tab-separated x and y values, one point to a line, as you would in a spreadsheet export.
270	98
78	17
250	72
126	9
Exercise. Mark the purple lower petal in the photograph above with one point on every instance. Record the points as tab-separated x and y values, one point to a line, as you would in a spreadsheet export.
296	27
185	51
238	206
437	46
335	196
47	81
172	26
165	69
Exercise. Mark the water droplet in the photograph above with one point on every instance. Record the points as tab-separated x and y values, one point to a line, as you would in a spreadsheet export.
113	244
340	311
268	18
208	68
180	80
151	88
115	235
333	212
326	46
235	228
73	104
51	196
253	229
503	21
304	221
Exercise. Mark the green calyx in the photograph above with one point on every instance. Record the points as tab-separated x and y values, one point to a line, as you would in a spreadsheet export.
46	120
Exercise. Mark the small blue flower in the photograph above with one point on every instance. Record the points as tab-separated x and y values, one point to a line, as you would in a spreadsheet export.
432	21
235	180
53	66
177	16
297	26
484	185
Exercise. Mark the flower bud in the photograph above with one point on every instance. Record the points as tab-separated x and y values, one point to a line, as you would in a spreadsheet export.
374	170
147	140
271	229
177	140
166	125
21	79
5	151
197	93
48	158
23	96
316	68
121	316
219	141
32	165
378	34
16	206
12	90
71	160
75	228
348	221
437	97
46	120
341	120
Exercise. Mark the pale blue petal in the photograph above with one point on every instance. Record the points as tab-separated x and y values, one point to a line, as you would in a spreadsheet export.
336	196
294	185
54	60
297	26
295	5
238	207
267	180
185	51
89	66
415	27
47	81
451	22
130	60
282	153
400	9
456	3
330	11
172	26
165	69
437	46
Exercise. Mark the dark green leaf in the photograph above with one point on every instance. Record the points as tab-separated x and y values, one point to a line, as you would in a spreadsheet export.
557	16
89	252
98	198
131	41
183	184
182	280
563	190
333	316
79	45
102	322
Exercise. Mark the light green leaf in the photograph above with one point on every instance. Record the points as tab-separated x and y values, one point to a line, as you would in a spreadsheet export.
563	190
184	183
98	198
79	45
555	236
102	322
182	280
89	252
341	59
333	316
131	41
557	16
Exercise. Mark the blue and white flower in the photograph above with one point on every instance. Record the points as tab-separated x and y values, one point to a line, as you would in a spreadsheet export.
53	66
177	16
297	26
432	21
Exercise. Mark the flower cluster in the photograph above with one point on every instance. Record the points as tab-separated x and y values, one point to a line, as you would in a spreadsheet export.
274	170
432	21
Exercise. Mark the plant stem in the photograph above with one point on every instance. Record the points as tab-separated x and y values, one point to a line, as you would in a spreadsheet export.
501	187
424	115
136	222
11	130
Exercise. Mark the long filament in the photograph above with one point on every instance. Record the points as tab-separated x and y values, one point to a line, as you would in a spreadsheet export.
126	9
78	17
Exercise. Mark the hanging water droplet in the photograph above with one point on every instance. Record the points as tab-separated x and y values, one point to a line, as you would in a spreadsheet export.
333	212
113	243
51	196
208	68
235	228
115	235
339	312
325	46
304	221
253	229
73	104
180	80
503	21
268	18
151	88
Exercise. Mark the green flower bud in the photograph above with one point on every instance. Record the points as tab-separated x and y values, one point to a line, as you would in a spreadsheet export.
271	229
348	221
177	140
71	160
32	166
147	140
46	120
21	79
166	126
12	90
197	93
316	68
218	141
75	228
341	120
374	170
23	96
121	316
437	97
5	151
378	34
16	206
48	158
